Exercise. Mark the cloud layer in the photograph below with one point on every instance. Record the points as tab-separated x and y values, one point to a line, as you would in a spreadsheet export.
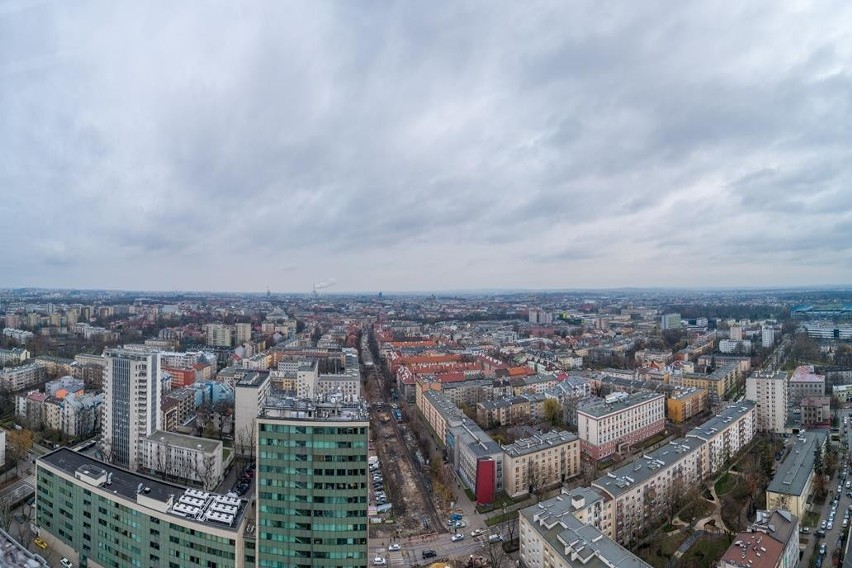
423	146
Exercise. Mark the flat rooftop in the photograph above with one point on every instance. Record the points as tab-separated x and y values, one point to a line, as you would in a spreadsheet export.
125	486
333	408
253	379
603	408
184	441
641	469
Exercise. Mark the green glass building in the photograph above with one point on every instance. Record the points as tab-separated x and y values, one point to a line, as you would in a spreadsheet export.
99	515
312	484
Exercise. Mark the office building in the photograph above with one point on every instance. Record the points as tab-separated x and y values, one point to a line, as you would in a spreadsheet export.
670	321
100	515
619	421
804	382
769	392
312	483
131	407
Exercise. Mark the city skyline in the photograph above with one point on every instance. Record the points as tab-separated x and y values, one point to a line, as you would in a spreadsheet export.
406	148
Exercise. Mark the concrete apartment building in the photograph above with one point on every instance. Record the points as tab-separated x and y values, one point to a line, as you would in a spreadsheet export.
791	486
131	408
100	515
769	392
772	541
726	434
683	404
185	459
804	382
312	483
219	335
619	422
718	382
540	462
641	489
551	536
22	377
591	507
249	393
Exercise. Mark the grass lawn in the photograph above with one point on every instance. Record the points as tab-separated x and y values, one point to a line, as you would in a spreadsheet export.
811	519
706	552
491	521
659	551
725	484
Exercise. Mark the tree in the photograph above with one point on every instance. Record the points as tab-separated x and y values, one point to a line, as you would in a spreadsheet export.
245	440
204	468
818	464
19	443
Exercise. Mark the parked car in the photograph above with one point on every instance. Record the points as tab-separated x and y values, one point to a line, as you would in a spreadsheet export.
476	532
429	553
495	538
457	537
66	563
40	543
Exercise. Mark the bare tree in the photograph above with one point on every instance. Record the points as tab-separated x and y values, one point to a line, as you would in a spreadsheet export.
245	440
6	514
496	555
204	469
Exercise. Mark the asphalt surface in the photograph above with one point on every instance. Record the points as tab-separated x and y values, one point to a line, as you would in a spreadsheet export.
833	536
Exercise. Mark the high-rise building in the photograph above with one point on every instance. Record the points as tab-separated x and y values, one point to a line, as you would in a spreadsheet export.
218	335
767	336
312	483
242	333
736	333
131	408
769	392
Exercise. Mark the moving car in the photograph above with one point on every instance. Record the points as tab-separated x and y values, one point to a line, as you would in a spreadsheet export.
379	561
40	543
495	538
429	553
476	532
66	563
457	537
394	547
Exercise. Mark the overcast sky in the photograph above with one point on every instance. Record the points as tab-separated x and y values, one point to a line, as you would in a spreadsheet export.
424	145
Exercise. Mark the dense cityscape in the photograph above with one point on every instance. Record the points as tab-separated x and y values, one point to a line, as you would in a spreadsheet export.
607	428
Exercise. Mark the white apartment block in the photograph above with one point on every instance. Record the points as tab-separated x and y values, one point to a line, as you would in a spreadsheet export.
641	489
619	422
249	393
726	434
187	459
218	335
131	408
769	393
540	462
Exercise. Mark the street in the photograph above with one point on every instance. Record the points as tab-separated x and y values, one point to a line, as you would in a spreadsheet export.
833	536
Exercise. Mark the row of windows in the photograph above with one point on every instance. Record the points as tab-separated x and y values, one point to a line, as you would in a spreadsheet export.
315	430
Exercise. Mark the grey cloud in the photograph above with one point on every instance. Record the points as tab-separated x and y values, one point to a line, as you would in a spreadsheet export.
164	136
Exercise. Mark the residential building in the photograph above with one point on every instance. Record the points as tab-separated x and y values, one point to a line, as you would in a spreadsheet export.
540	462
177	407
312	483
641	489
185	459
816	411
13	356
99	515
772	541
769	392
550	536
81	414
767	336
242	333
790	488
249	393
26	376
591	507
219	335
726	434
619	422
683	404
131	408
804	382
